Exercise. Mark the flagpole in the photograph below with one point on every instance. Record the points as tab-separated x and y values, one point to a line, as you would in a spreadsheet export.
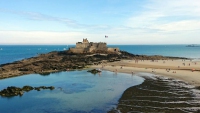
105	38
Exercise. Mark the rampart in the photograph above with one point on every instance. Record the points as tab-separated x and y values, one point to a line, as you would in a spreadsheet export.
86	47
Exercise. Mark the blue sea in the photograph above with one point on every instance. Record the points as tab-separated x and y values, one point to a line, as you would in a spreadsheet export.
75	91
10	53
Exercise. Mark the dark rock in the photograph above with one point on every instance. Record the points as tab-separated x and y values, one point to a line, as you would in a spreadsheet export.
51	87
15	91
197	87
94	71
21	93
45	73
23	69
27	88
37	88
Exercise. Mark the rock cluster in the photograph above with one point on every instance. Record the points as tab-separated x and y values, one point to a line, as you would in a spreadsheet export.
15	91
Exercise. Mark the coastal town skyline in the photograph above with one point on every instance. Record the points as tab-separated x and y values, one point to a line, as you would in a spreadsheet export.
123	22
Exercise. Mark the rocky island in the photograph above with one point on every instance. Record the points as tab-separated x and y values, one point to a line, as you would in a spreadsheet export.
83	55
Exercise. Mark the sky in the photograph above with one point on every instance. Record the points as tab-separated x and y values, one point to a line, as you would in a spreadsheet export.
125	22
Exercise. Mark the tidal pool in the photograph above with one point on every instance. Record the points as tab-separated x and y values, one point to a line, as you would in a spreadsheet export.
75	91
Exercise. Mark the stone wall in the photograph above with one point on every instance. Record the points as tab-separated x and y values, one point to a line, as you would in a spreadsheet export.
77	50
92	48
113	49
82	45
102	46
85	46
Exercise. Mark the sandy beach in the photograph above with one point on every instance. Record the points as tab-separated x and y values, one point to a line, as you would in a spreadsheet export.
186	70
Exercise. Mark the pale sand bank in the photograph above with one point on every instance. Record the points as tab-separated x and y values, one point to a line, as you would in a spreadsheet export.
160	67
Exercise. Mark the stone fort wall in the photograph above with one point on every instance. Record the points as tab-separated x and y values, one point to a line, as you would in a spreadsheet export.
82	45
86	46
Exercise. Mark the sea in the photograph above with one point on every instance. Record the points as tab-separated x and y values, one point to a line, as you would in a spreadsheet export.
10	53
75	91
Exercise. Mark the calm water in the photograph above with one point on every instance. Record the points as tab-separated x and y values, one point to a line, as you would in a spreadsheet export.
10	53
164	50
76	91
81	92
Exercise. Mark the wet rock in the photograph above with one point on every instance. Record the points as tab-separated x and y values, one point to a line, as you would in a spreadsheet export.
158	95
15	91
45	73
51	88
197	87
27	88
21	93
23	69
94	71
10	91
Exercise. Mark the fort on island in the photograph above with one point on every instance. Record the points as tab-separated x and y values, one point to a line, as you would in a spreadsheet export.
88	47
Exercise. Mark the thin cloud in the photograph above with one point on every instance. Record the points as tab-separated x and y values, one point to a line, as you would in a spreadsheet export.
42	17
69	22
157	22
168	16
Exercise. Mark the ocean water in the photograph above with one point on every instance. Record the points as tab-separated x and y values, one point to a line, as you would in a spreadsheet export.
10	53
164	50
75	92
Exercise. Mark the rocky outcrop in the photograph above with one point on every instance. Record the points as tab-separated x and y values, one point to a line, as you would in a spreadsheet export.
94	71
65	60
15	91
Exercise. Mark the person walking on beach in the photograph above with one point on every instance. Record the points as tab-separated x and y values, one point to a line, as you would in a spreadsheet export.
132	72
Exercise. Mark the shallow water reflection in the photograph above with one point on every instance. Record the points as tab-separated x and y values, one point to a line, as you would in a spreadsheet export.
76	91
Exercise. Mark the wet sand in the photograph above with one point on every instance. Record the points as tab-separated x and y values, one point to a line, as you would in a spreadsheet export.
190	72
174	86
159	94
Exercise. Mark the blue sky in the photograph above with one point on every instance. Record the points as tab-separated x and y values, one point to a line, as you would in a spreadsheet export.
124	21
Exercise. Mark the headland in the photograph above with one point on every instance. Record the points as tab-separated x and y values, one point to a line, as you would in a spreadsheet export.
84	55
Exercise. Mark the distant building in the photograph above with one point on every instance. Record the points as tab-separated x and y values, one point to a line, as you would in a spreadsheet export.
87	47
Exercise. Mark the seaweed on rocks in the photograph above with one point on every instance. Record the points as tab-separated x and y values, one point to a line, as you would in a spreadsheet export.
159	95
15	91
